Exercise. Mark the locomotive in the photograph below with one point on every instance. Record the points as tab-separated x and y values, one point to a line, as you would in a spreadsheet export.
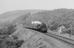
38	26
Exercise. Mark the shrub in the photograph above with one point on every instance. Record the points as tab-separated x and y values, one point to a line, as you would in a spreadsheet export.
7	30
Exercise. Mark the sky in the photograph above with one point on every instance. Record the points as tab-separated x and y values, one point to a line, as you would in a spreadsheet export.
10	5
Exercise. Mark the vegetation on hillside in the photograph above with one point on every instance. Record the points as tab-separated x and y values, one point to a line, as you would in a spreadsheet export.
53	20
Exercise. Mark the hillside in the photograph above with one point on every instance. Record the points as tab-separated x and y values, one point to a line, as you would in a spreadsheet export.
32	39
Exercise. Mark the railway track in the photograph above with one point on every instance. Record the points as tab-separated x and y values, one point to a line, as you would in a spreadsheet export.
61	38
64	39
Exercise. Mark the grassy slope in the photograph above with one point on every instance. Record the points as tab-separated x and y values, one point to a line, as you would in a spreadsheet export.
43	16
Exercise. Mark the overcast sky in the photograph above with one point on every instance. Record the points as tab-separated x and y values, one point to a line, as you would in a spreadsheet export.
8	5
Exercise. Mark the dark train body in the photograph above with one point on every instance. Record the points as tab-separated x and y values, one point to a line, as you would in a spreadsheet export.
39	27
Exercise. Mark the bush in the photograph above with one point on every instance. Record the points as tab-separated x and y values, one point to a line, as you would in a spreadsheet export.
7	30
53	26
10	43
